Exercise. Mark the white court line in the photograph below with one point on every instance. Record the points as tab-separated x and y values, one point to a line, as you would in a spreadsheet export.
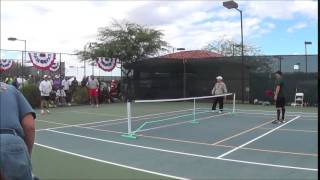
243	132
183	153
98	114
184	122
143	118
191	142
293	130
107	121
290	112
264	114
108	162
238	147
50	122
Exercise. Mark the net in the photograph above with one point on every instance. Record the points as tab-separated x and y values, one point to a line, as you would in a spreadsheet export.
146	115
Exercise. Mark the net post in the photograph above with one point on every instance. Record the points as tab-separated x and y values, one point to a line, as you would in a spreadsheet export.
194	111
130	134
234	103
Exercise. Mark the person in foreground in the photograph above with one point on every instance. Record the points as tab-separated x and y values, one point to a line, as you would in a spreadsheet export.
279	97
17	133
218	89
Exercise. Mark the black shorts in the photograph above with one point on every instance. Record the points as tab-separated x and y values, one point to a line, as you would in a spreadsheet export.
280	102
45	98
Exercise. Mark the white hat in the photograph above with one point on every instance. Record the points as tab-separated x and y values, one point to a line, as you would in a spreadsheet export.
219	77
56	76
44	76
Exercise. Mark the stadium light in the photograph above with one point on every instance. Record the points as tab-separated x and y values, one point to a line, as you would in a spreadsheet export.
178	49
234	5
305	48
24	54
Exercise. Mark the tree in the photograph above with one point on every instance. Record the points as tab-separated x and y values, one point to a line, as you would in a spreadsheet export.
231	48
129	42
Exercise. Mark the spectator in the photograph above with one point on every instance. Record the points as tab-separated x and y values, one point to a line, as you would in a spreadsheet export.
60	97
56	83
66	87
74	85
93	86
45	89
84	82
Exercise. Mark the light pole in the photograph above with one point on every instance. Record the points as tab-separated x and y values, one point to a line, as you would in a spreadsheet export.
178	49
233	48
305	49
234	5
24	54
85	56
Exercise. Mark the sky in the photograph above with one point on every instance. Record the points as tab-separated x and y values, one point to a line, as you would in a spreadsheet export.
275	27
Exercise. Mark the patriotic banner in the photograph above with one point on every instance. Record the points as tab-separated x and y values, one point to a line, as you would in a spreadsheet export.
55	66
5	64
106	64
42	61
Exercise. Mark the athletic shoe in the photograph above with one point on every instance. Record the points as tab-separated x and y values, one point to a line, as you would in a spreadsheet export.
69	104
213	111
275	122
48	111
42	112
97	105
283	121
220	112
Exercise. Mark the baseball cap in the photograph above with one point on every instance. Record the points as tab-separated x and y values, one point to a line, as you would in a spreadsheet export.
219	77
278	72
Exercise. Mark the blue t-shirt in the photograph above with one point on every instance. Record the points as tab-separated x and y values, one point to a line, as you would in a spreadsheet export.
13	107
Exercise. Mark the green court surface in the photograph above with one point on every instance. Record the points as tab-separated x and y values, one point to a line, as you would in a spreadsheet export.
82	142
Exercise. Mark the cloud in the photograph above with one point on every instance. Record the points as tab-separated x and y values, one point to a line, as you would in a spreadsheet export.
297	26
282	9
64	26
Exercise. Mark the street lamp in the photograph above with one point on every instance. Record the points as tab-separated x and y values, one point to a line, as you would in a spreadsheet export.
234	5
85	56
305	48
178	49
25	53
233	46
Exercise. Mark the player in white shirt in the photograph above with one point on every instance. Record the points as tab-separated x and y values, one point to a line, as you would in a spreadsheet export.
45	88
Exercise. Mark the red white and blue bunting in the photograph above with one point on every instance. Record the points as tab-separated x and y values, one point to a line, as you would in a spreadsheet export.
55	66
5	64
106	64
41	60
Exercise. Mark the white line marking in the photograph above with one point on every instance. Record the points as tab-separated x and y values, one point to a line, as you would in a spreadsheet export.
184	122
108	162
181	153
293	130
192	142
106	121
50	122
308	113
266	164
238	147
243	132
140	119
98	114
264	114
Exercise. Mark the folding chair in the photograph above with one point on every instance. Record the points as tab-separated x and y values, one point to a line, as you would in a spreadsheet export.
298	99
